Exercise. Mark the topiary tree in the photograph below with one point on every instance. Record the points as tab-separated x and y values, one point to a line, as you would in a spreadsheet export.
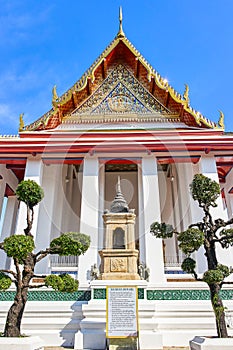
208	233
21	249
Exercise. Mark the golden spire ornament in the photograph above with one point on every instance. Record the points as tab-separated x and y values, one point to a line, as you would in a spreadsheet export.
55	96
120	32
186	94
221	120
21	122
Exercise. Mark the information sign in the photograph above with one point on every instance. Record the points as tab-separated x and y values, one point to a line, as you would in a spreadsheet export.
122	312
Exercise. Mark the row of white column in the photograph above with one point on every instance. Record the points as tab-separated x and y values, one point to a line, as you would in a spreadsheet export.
151	250
188	211
47	217
8	208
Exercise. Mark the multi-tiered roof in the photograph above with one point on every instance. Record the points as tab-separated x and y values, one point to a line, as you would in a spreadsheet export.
121	86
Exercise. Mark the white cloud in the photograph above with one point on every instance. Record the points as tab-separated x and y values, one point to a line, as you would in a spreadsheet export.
8	120
28	92
20	22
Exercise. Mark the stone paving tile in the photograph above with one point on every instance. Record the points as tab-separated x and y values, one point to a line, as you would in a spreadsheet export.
176	348
56	348
165	348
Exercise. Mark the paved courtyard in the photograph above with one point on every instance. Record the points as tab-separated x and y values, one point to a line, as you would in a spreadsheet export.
165	348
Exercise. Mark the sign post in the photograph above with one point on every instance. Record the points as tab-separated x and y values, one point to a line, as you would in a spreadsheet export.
122	313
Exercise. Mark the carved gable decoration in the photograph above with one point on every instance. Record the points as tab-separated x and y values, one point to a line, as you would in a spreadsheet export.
121	93
121	100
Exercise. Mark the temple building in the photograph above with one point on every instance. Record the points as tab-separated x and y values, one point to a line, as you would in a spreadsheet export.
121	128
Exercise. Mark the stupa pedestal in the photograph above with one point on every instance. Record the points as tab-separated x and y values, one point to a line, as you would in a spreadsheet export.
119	258
119	264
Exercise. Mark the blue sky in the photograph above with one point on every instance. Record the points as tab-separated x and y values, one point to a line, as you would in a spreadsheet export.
52	42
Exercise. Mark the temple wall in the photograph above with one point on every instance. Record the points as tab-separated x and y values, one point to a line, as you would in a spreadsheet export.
177	312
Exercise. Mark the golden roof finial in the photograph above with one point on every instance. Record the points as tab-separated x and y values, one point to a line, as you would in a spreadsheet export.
186	94
221	120
21	122
120	32
55	96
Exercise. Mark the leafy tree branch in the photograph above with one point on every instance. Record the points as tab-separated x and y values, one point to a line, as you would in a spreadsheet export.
206	233
21	248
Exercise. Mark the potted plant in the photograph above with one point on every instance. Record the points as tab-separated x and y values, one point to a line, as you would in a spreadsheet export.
208	233
21	248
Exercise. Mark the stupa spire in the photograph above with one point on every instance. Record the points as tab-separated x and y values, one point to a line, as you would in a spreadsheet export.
120	32
119	204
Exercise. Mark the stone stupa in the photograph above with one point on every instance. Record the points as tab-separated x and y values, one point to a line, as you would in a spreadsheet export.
119	258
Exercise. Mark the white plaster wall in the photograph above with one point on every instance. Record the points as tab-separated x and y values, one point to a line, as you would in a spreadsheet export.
56	322
178	321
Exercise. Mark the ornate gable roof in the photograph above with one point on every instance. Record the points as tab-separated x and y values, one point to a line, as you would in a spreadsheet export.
121	81
121	92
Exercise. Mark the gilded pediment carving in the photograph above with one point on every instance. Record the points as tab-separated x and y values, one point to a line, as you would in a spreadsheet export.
120	93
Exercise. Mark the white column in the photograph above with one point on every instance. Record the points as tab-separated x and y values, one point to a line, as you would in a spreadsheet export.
8	177
33	171
8	227
229	196
207	166
141	221
89	216
2	193
101	209
151	213
45	220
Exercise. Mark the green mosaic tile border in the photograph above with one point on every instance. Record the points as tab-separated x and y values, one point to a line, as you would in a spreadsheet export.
100	293
140	293
185	294
43	295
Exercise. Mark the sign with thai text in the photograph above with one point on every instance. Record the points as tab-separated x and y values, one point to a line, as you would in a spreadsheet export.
122	312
